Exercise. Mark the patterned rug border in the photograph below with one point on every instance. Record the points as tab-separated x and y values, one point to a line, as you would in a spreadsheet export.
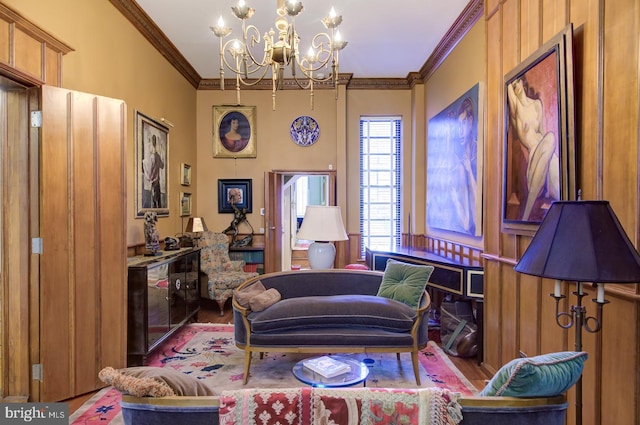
104	406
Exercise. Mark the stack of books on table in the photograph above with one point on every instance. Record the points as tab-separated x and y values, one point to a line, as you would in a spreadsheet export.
326	366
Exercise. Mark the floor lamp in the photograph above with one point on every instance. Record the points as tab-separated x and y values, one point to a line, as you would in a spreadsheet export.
322	224
581	241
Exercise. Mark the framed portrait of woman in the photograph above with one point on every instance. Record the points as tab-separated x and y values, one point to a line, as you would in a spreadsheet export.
539	135
234	132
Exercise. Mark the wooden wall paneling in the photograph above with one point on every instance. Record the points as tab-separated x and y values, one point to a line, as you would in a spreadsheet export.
584	15
492	318
510	318
25	57
620	153
491	6
55	262
531	31
553	337
620	361
511	56
110	138
53	67
5	40
555	15
492	145
529	310
84	274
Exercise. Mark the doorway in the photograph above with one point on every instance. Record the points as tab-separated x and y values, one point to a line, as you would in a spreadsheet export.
300	190
287	193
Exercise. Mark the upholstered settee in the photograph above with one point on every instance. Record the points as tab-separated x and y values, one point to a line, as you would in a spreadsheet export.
334	311
475	410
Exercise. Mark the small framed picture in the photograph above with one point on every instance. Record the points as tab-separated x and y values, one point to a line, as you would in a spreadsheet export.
185	174
234	193
185	204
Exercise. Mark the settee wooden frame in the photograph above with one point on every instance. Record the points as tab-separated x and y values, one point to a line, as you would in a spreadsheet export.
249	349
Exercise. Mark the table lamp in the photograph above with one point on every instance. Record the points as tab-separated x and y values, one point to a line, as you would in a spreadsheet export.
323	225
196	225
581	241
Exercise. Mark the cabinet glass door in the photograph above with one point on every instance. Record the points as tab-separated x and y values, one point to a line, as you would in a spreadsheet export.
158	299
177	292
192	263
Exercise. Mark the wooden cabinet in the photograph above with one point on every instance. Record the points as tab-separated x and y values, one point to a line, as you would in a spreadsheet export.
163	295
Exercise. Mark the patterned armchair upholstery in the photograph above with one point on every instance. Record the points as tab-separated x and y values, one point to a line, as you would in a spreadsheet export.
223	274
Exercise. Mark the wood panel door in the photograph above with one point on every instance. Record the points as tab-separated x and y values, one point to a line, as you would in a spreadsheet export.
272	221
82	302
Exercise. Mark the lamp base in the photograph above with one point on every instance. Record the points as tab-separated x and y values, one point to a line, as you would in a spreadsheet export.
321	255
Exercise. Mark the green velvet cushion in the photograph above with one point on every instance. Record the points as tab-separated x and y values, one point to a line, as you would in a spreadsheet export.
404	282
546	375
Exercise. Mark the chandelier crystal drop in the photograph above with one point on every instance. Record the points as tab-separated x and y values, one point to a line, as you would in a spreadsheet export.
252	57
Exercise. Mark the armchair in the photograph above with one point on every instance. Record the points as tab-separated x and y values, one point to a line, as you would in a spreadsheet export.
223	274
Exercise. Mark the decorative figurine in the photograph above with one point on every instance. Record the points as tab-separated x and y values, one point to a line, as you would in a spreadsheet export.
151	235
239	216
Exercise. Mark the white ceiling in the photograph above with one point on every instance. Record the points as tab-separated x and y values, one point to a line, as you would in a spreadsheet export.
386	39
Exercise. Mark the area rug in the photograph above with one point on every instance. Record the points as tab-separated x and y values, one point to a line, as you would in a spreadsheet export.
208	352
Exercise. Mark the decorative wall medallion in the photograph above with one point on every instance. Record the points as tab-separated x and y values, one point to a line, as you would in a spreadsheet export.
304	131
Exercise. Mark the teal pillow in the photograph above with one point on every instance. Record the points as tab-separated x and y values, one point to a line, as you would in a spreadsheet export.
546	375
404	282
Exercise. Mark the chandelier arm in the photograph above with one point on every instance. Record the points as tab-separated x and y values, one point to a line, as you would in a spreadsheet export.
239	67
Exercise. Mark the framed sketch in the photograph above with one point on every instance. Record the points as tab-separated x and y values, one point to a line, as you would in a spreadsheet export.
539	135
185	204
185	174
152	154
234	192
234	132
454	165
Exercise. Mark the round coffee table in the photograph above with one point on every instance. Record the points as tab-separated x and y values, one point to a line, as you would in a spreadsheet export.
358	373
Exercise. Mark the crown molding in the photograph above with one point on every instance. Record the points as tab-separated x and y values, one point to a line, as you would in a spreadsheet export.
467	19
469	16
143	23
267	84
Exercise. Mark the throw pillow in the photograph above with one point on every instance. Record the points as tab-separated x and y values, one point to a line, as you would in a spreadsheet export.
245	294
404	282
546	375
146	381
264	299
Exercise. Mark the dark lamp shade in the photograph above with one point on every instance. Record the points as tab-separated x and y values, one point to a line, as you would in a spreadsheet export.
581	241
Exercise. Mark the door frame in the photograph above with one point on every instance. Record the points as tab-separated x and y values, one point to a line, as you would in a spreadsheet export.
273	195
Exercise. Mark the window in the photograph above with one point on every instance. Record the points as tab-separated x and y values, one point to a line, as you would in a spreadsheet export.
380	182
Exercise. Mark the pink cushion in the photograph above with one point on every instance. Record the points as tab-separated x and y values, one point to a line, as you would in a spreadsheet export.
356	266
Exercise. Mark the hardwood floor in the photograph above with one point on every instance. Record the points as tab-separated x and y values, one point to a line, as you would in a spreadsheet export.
209	313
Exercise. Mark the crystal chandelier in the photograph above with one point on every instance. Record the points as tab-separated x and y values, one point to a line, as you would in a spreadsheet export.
251	59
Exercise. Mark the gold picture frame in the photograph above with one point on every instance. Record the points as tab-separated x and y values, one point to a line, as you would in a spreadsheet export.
234	132
185	204
538	172
152	157
185	174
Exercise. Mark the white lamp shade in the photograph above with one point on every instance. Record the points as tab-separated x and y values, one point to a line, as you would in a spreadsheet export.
322	223
196	224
